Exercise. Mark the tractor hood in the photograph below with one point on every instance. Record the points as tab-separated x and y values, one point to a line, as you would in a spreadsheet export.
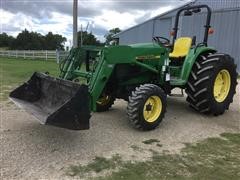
145	45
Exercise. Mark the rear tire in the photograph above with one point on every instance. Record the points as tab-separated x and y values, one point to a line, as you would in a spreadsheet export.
212	83
146	107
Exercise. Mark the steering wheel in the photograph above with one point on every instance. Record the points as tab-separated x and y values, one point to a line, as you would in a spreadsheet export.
161	40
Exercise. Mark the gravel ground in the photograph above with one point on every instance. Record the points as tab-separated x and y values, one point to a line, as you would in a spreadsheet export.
32	151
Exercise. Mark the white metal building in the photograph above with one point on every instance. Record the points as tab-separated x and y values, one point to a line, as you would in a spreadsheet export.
225	22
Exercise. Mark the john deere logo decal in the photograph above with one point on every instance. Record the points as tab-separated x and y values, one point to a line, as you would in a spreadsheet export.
147	57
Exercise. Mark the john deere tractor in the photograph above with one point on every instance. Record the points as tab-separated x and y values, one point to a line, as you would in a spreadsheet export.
91	78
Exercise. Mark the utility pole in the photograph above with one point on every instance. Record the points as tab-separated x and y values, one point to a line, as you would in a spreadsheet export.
75	23
81	36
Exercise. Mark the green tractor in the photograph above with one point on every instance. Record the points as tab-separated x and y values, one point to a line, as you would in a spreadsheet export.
91	78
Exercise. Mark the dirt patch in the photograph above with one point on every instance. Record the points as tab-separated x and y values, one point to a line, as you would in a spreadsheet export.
32	151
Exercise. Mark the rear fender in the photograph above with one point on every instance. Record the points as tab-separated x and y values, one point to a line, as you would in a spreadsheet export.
190	60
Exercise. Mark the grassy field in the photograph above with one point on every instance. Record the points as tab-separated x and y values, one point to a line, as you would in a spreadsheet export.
213	158
15	71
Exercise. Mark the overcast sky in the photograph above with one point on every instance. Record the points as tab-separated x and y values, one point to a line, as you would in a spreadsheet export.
56	15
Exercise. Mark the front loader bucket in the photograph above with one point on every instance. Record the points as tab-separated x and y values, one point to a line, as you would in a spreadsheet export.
54	101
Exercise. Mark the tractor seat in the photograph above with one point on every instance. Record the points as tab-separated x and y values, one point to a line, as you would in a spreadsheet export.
181	47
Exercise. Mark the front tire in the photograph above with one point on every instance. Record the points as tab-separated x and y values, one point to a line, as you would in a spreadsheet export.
105	102
212	84
146	107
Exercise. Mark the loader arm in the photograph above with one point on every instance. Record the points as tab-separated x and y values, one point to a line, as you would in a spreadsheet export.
72	65
63	103
111	57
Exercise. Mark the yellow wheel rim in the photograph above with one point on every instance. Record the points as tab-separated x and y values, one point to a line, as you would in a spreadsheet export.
152	109
222	85
104	100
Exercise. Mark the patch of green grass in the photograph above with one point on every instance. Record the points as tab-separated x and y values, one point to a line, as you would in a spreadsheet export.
151	141
15	71
213	158
98	165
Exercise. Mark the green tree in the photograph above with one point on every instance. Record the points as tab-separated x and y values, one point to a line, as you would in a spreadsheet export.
35	41
54	41
88	39
110	34
28	41
5	40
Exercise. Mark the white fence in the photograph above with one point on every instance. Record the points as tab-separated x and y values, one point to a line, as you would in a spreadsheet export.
32	54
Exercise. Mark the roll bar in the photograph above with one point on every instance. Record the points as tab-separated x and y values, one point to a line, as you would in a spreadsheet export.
191	9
